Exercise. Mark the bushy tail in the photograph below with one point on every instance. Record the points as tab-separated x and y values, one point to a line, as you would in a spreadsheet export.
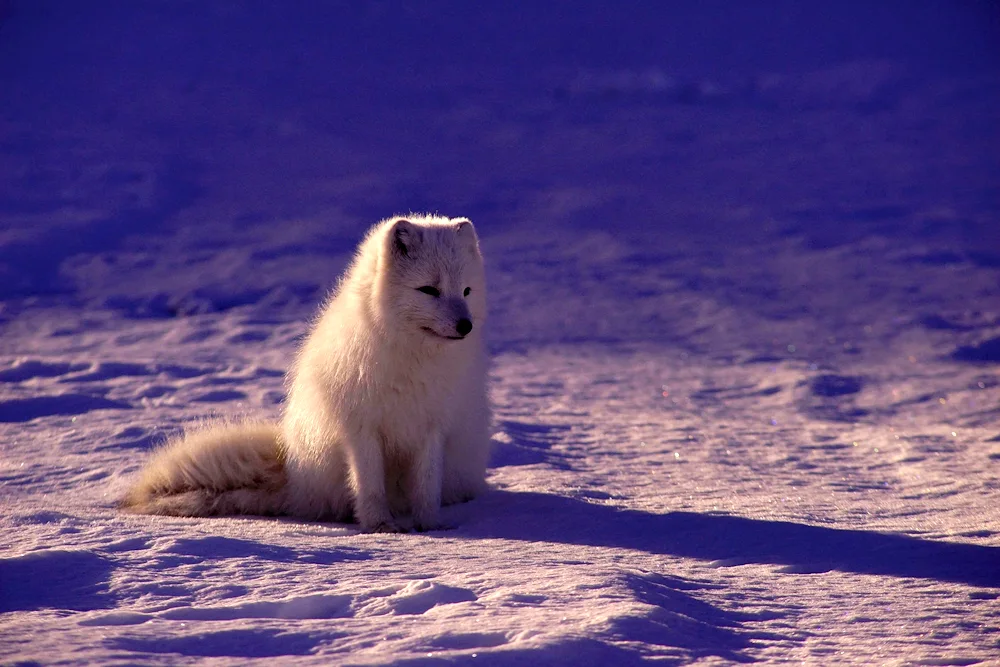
215	470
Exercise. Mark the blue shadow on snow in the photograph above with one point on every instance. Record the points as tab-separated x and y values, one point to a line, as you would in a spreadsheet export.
734	540
55	579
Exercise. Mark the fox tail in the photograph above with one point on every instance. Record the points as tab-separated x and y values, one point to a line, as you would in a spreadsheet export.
218	469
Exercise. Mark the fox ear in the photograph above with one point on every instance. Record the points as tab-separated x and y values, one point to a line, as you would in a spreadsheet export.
466	231
404	238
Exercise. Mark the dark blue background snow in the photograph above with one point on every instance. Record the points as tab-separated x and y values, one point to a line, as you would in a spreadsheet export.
68	65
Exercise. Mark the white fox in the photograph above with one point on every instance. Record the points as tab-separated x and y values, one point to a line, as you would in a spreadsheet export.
387	412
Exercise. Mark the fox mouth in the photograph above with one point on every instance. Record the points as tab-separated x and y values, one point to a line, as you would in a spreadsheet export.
435	333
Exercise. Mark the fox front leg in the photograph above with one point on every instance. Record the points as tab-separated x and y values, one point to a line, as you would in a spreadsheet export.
423	484
367	476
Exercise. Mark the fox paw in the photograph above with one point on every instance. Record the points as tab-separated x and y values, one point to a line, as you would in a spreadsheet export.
425	526
425	521
386	526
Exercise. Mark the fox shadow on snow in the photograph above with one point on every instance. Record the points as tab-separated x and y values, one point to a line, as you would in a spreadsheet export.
799	547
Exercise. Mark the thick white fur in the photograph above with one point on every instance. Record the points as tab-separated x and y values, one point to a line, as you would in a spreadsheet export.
387	413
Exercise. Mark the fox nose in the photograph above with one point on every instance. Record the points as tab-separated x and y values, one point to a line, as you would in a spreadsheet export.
464	326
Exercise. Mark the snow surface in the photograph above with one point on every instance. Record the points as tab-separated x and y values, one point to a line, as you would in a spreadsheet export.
744	269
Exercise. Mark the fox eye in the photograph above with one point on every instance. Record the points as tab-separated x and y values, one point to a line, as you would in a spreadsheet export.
466	292
428	289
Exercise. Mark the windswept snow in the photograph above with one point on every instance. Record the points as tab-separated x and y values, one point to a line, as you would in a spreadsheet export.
743	269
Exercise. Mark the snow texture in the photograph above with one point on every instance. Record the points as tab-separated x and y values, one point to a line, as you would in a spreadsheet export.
744	269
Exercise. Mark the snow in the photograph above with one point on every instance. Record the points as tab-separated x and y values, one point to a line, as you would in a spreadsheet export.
743	268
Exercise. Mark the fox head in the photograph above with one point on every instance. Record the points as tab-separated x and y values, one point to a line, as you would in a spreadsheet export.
433	278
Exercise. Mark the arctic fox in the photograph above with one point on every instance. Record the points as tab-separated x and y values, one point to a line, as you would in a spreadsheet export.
387	414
